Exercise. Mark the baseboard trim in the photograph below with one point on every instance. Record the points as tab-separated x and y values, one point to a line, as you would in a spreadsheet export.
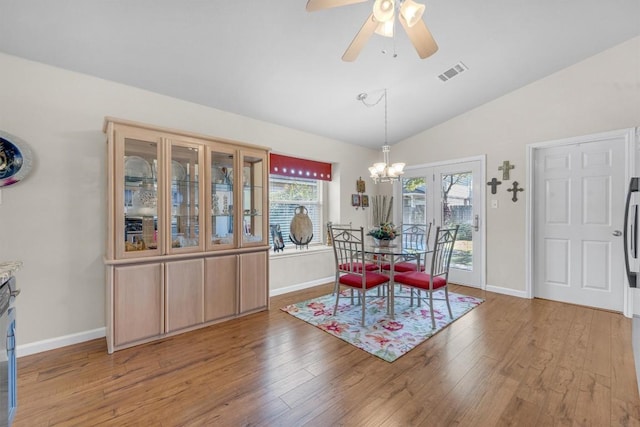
300	286
63	341
507	291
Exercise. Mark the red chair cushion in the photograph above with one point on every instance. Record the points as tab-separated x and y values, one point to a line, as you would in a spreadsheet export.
371	267
418	279
372	280
357	267
402	267
405	266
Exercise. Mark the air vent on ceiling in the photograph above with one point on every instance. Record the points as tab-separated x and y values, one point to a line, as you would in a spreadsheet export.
453	71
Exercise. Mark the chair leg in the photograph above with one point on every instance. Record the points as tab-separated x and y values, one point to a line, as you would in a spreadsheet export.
363	307
335	308
433	318
446	297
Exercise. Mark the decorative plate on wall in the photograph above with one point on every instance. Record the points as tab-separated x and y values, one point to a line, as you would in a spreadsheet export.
15	159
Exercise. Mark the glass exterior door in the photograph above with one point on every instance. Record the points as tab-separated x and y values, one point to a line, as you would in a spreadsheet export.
447	196
457	209
414	200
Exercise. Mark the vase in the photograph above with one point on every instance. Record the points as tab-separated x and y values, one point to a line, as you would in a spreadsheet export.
382	242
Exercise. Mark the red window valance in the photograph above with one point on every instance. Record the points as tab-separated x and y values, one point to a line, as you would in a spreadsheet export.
302	168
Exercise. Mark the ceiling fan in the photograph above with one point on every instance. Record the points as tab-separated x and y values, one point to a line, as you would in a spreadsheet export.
381	21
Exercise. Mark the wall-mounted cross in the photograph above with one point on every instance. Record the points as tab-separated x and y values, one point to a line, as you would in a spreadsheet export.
505	168
515	189
494	185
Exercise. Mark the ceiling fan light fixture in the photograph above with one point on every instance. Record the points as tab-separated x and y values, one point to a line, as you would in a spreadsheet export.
411	12
385	28
384	10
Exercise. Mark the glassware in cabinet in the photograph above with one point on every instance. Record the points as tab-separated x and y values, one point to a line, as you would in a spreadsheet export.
138	196
254	197
223	166
186	195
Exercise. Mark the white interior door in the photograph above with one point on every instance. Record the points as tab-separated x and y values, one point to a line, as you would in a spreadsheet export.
446	195
578	211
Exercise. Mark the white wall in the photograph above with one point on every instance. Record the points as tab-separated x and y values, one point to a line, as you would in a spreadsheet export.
54	220
598	94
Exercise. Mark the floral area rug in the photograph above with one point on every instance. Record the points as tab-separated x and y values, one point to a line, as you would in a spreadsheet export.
382	336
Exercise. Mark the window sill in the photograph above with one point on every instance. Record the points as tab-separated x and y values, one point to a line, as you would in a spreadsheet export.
291	251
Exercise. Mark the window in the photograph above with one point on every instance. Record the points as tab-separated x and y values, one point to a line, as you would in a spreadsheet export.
285	195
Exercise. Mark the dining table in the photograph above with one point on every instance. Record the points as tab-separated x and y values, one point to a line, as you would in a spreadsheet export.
391	252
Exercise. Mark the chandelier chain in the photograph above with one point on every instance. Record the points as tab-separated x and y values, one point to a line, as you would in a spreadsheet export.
383	171
385	117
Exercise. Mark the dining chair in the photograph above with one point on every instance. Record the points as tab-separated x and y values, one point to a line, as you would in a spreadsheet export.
438	276
348	249
413	236
370	265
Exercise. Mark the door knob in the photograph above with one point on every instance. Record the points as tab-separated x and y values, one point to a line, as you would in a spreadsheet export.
617	233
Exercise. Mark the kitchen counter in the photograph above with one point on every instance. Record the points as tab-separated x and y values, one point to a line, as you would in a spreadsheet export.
8	268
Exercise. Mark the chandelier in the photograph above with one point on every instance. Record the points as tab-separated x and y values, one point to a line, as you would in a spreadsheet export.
383	171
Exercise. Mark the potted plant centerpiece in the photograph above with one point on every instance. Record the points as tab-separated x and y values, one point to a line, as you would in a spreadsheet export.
384	234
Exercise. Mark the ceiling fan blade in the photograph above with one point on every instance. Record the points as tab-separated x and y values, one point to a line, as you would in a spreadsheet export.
313	5
365	33
420	36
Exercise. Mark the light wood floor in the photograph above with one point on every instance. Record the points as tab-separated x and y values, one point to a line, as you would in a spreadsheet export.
511	361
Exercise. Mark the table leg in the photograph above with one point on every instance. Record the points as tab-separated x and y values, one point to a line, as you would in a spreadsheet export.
392	286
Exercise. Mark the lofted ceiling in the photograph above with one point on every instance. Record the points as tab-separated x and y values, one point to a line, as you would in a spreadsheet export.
276	62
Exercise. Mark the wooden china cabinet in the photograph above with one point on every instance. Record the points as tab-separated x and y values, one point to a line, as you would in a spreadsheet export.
187	241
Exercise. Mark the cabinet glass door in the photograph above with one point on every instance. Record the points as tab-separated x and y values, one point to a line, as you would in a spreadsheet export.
138	198
222	198
185	188
254	179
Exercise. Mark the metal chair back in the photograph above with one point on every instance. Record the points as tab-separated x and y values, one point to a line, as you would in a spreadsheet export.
415	236
348	249
443	250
